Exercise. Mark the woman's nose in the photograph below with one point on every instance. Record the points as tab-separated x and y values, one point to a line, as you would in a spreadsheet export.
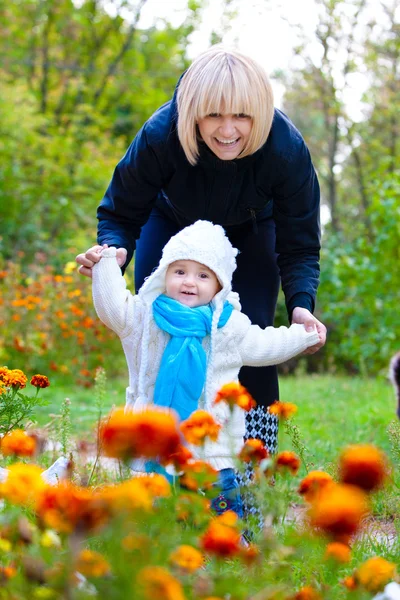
227	127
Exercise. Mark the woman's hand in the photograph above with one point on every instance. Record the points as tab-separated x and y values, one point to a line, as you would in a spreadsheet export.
303	316
92	256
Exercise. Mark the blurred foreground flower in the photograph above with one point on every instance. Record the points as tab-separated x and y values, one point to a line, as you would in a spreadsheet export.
151	433
364	466
307	593
313	483
158	583
222	538
23	483
198	474
375	573
287	460
200	426
339	552
338	510
18	443
253	451
187	558
235	394
92	564
282	410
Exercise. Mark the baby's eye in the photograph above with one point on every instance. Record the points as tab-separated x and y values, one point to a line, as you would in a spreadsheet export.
204	275
180	272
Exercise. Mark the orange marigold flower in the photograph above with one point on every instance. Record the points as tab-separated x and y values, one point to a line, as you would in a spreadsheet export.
179	458
199	426
7	573
18	443
312	483
221	538
375	573
339	552
307	593
198	474
23	483
282	410
128	496
92	564
187	558
235	394
67	507
3	388
287	460
13	377
349	582
156	485
158	583
151	433
338	510
40	381
364	466
250	554
253	451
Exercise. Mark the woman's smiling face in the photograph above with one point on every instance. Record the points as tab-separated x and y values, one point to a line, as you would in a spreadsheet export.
225	134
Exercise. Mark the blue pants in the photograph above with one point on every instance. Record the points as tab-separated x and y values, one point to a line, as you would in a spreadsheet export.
228	498
256	280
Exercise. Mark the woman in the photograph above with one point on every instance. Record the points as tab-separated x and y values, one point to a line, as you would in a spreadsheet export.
219	151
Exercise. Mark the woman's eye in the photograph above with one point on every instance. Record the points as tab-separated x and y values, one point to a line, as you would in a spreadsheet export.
242	116
214	115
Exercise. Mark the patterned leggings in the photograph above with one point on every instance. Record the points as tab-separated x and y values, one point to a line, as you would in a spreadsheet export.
261	425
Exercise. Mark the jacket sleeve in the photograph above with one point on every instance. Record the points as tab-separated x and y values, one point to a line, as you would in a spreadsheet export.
131	194
296	211
274	345
114	304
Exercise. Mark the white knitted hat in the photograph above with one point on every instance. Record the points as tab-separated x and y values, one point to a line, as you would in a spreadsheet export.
206	244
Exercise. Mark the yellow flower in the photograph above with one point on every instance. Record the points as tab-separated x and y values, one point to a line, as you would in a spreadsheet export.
235	394
50	539
187	558
339	552
23	483
158	583
199	426
92	564
70	267
364	466
5	545
375	573
282	410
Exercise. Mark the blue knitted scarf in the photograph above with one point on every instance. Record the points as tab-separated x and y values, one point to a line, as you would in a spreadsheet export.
182	373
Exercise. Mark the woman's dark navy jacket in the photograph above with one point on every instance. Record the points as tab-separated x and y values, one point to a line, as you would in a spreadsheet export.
279	178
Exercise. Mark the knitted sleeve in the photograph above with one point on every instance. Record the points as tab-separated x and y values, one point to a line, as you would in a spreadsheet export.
114	304
274	345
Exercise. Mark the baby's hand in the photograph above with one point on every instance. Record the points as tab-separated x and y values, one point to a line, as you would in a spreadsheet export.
303	316
92	256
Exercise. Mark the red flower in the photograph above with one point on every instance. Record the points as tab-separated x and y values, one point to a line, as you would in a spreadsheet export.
40	381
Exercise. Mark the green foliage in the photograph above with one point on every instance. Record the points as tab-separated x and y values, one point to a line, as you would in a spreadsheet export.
360	285
17	407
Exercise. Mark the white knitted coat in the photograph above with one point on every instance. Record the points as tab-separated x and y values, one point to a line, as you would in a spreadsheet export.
236	344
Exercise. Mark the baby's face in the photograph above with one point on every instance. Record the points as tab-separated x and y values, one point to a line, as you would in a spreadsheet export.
191	283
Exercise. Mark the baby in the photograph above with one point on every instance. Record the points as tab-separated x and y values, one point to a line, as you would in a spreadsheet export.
184	336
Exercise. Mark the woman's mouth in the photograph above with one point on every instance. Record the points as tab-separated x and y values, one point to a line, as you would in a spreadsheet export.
227	143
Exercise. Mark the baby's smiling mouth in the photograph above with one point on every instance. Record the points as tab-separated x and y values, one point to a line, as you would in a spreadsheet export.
188	293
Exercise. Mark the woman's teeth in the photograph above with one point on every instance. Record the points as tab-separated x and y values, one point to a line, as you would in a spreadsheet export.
227	142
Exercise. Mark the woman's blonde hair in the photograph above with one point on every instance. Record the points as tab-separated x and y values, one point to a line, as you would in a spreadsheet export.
224	81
